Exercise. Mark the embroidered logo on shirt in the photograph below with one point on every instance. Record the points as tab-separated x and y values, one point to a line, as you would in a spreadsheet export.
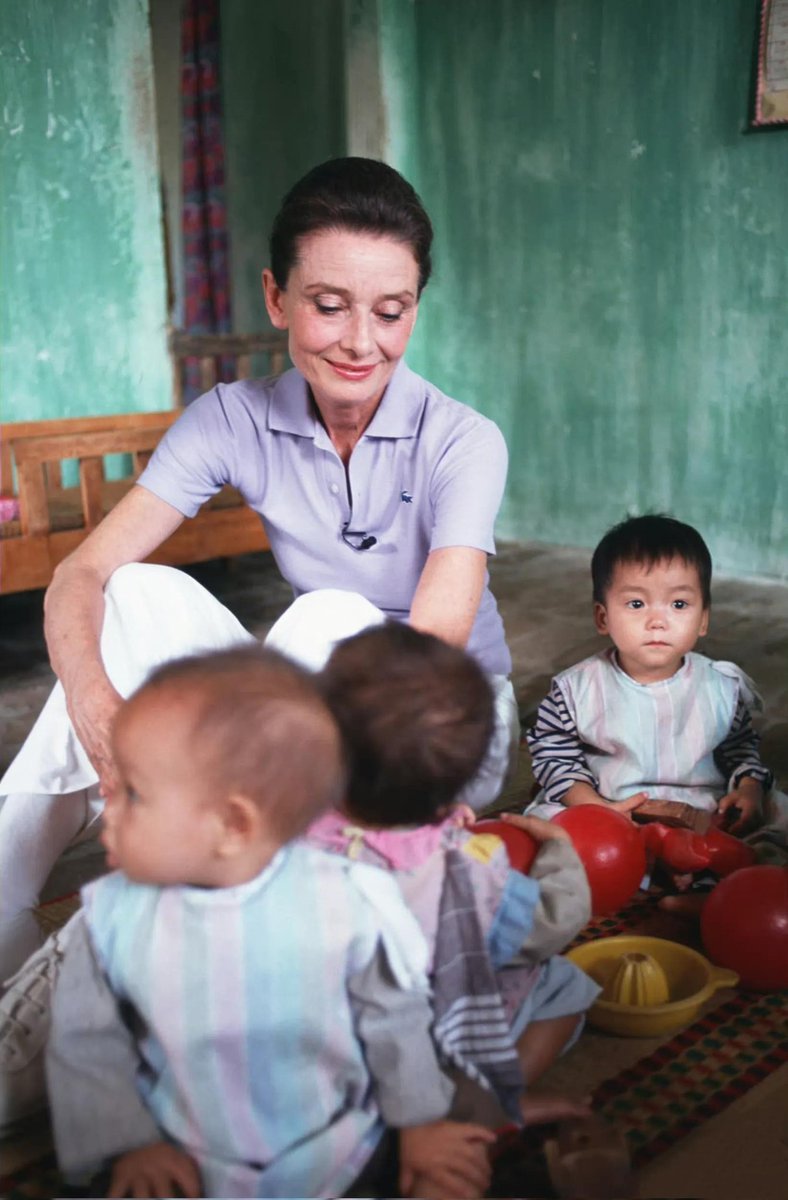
406	497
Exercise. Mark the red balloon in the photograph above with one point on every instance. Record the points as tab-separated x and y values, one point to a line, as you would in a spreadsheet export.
744	926
726	853
611	849
680	849
520	846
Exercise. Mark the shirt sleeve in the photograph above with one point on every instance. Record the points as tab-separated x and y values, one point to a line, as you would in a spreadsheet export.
467	487
91	1065
393	1025
557	755
738	755
198	454
560	908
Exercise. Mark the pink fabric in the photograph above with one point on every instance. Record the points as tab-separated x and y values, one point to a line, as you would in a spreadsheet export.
402	849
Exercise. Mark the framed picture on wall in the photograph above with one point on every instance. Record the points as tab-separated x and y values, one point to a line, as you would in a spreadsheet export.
770	100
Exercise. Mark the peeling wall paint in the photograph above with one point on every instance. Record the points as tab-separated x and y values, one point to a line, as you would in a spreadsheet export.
611	262
283	94
82	283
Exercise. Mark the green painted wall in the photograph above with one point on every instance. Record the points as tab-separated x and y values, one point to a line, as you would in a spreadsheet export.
612	258
283	90
82	293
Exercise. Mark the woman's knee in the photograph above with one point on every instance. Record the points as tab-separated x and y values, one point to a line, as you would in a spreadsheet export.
313	624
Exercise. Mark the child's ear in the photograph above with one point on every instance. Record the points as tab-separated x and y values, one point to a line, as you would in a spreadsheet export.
704	625
600	618
240	820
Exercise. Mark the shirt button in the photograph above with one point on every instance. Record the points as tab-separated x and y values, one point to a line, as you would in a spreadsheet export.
335	489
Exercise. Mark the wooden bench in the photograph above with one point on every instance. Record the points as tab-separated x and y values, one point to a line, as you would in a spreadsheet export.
53	520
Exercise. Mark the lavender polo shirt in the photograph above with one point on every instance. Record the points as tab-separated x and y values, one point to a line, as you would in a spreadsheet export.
427	473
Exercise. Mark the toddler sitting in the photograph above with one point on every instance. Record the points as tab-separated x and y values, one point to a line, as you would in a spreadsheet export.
416	715
649	718
270	999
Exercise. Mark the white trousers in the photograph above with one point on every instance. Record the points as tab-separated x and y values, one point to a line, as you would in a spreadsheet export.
48	795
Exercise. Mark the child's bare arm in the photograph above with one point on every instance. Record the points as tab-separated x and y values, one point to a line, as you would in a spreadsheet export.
155	1170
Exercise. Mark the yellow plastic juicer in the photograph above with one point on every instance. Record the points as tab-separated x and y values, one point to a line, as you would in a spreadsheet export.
650	986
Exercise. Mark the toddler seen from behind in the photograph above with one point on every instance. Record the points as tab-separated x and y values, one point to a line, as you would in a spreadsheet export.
416	717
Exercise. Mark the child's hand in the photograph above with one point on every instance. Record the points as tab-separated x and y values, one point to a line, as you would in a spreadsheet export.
583	793
450	1157
539	829
464	816
746	797
160	1169
625	807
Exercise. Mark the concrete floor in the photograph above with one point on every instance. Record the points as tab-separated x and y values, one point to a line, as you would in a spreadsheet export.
544	595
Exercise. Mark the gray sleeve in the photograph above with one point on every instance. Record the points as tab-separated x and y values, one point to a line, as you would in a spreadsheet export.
91	1065
394	1027
564	905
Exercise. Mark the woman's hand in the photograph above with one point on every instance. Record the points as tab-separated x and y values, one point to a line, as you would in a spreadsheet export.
157	1170
92	707
445	1159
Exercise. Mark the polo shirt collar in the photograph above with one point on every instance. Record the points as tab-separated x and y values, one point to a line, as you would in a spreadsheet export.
398	414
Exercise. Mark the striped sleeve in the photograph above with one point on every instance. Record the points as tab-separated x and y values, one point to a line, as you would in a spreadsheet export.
556	751
738	754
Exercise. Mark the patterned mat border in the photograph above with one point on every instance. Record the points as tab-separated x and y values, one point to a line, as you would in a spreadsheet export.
620	922
665	1095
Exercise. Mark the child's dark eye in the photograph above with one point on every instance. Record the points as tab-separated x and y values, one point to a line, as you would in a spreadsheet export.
634	603
680	604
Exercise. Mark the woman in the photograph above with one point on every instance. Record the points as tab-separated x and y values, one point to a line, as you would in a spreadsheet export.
368	479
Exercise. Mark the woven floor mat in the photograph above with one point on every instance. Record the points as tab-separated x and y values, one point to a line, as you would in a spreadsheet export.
39	1181
55	913
698	1073
701	1070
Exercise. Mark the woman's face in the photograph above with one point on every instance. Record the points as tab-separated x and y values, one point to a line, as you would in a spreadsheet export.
349	306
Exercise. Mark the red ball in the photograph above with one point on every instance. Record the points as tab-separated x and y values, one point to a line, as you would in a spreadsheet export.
744	926
612	851
520	846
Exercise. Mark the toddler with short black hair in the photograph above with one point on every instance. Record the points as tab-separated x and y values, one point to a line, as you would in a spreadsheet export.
649	717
